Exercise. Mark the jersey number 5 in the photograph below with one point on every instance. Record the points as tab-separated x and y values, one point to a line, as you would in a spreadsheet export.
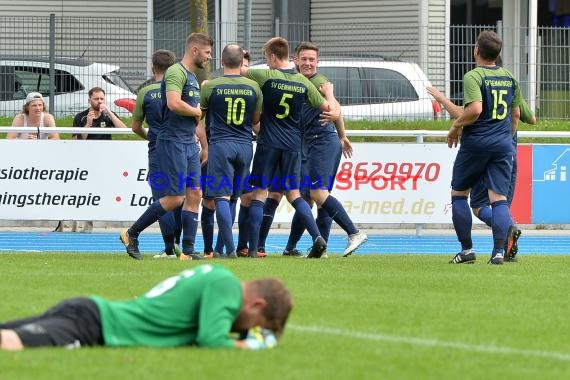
499	101
283	103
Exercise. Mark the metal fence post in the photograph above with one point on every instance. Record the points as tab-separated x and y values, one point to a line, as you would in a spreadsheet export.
51	60
419	226
247	25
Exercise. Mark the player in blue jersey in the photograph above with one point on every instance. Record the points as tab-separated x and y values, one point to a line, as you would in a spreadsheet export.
148	109
486	126
178	180
232	105
245	198
200	306
277	161
209	207
479	197
322	146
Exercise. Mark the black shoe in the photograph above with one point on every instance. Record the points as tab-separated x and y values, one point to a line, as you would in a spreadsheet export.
231	255
512	246
497	259
131	244
293	252
467	256
319	246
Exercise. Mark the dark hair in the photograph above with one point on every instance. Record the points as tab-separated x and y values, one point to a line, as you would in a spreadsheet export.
199	39
246	55
94	90
232	56
307	46
279	302
277	46
162	60
489	44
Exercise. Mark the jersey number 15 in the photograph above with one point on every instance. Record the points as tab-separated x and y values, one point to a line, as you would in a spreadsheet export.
499	101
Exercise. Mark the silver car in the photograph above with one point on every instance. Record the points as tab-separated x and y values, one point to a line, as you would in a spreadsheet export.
73	80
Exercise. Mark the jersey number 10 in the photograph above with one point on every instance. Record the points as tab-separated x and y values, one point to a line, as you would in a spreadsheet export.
236	111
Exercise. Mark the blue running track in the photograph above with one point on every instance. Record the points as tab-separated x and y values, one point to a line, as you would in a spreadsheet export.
384	244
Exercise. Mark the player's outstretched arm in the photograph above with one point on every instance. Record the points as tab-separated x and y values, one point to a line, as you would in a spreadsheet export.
137	127
202	138
515	119
453	109
333	112
470	113
344	141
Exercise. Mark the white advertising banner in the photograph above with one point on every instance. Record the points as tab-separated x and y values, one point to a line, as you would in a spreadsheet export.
107	181
393	183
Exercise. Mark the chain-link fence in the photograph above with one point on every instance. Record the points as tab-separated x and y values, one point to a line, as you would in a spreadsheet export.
377	80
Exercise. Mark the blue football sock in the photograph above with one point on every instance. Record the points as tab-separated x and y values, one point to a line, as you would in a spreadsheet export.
189	228
219	243
153	213
338	213
269	209
485	214
462	221
304	210
233	204
243	227
207	224
177	223
224	218
166	223
297	229
501	223
255	218
324	222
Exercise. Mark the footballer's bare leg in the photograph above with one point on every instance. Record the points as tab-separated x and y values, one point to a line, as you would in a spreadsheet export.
10	341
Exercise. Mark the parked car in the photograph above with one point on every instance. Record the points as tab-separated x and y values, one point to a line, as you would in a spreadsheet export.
379	88
73	80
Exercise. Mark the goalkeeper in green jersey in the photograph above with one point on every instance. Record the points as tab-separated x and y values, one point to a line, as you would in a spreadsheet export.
201	306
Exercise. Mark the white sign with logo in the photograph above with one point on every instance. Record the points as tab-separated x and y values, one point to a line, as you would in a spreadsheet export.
107	181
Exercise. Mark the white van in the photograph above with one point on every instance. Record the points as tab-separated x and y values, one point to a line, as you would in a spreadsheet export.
379	89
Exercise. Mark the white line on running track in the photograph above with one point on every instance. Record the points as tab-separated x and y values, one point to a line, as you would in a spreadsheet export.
485	348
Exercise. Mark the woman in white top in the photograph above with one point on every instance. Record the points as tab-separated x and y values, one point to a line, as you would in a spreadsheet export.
33	115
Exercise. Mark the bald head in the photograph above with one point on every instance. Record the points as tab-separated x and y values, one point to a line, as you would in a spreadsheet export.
232	56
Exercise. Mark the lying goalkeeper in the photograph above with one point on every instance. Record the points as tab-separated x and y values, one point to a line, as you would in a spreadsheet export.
201	306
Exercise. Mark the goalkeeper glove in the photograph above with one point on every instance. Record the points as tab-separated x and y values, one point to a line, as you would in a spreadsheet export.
259	338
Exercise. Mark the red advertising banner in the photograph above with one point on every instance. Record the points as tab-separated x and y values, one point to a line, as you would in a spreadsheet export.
521	208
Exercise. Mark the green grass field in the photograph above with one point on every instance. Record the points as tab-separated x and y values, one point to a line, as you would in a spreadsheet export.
364	317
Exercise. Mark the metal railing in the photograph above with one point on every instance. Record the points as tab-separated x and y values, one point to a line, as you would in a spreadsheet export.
419	134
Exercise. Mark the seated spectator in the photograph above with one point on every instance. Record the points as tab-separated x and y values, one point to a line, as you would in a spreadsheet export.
33	115
98	115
